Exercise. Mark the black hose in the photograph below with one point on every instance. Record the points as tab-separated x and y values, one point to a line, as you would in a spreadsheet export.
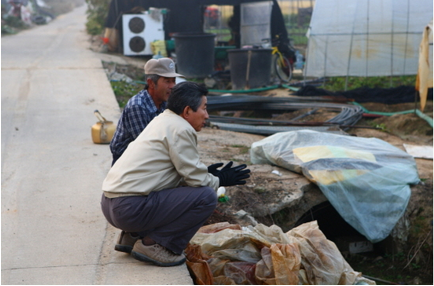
348	115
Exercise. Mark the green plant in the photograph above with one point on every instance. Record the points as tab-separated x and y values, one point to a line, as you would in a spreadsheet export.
97	11
242	149
381	126
224	34
14	22
124	91
353	82
415	266
7	30
297	20
400	256
93	27
259	189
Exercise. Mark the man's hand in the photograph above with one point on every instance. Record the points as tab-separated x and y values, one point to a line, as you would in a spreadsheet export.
213	168
233	176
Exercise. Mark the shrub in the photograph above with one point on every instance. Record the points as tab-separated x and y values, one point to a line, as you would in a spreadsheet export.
338	83
97	12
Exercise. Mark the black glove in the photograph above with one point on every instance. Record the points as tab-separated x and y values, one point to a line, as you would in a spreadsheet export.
233	176
213	168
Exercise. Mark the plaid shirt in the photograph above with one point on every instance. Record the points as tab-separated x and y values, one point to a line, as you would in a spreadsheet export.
137	114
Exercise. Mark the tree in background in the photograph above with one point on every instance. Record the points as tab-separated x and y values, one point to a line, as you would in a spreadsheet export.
97	11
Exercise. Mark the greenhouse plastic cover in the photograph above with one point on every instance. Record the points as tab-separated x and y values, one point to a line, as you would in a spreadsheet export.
367	180
366	37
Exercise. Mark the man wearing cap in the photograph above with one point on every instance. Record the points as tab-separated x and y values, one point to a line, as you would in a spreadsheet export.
144	106
159	193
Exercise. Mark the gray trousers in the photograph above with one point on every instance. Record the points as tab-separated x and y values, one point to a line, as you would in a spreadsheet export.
171	217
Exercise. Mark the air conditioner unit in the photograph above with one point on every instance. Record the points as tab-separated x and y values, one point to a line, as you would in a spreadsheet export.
139	31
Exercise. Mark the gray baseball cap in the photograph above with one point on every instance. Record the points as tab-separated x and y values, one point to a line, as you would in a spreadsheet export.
162	67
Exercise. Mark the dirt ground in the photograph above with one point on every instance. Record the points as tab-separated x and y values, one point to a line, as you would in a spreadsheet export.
223	146
412	264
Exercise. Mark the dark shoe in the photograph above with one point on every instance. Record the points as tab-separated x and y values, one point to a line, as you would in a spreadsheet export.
156	254
125	242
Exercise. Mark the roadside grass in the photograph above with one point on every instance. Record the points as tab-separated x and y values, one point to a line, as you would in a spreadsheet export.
124	91
338	83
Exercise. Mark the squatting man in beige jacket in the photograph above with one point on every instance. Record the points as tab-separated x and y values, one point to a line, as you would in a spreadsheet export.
159	193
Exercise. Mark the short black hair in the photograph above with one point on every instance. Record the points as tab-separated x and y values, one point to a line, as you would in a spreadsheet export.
185	94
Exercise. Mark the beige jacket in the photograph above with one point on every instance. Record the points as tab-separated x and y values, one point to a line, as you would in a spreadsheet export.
163	156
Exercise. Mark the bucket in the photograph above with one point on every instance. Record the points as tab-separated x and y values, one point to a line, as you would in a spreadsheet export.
102	131
250	68
194	54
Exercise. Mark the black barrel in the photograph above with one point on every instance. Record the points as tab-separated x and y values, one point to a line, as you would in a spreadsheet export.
194	54
250	68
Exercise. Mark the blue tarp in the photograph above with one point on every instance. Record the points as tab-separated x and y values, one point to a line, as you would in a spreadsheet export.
367	180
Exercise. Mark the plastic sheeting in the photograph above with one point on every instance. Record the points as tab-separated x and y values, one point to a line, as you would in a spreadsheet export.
424	79
228	254
366	37
365	179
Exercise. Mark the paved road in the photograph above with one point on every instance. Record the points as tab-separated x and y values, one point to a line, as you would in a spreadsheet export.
53	231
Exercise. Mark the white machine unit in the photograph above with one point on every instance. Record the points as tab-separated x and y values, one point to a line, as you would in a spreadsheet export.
139	31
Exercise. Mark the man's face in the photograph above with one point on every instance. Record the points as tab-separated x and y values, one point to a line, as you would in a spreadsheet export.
197	119
163	88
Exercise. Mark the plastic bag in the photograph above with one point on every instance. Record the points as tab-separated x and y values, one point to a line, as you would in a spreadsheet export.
280	265
196	262
158	47
321	260
302	255
365	179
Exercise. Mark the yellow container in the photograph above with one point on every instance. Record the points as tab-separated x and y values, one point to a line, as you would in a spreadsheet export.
102	131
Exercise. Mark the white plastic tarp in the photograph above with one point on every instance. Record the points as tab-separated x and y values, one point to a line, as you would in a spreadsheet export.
367	180
366	37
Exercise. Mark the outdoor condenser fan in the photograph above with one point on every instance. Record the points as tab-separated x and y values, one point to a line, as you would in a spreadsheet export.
139	31
137	44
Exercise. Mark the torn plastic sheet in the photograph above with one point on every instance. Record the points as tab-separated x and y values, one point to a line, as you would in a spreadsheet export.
226	254
367	180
